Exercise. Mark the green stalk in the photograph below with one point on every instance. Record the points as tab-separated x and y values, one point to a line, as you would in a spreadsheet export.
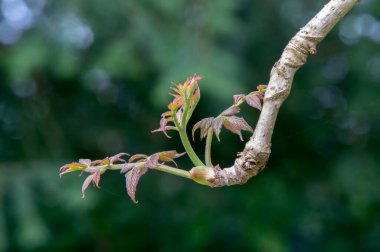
163	168
189	149
208	147
183	135
174	171
186	143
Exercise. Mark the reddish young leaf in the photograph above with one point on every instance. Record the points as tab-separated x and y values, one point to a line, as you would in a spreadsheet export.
132	179
236	125
127	167
136	157
217	126
163	127
253	100
238	98
86	162
233	110
165	156
185	95
176	103
116	158
152	162
169	156
194	79
179	115
203	125
86	183
196	97
94	178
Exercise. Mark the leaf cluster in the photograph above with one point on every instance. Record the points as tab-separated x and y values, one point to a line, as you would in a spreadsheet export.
134	168
185	99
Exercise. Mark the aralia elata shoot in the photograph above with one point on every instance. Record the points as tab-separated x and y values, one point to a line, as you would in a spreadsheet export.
181	108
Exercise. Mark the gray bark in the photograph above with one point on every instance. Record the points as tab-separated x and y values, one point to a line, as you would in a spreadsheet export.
255	155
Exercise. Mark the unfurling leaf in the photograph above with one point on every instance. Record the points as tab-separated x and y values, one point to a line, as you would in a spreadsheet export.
96	168
254	100
165	156
217	126
75	166
236	125
262	88
163	122
117	157
232	123
136	157
139	164
86	162
226	118
238	98
152	161
186	97
168	156
132	179
203	125
94	178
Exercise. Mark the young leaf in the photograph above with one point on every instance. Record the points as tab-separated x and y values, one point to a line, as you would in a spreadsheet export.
262	88
168	156
136	157
186	97
163	128
152	161
231	122
238	98
75	166
236	125
254	100
233	110
117	157
217	126
86	183
179	115
203	125
132	179
94	178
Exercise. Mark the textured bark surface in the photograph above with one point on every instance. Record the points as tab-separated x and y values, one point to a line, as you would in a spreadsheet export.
255	155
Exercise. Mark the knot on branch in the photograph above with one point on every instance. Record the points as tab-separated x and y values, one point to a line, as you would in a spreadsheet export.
300	46
252	162
293	57
248	164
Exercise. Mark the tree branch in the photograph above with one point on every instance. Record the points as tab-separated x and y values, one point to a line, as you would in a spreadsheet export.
255	155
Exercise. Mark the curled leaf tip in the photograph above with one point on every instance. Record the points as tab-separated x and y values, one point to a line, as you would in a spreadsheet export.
195	78
117	157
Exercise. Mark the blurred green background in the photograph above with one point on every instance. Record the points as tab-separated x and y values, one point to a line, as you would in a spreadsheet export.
90	78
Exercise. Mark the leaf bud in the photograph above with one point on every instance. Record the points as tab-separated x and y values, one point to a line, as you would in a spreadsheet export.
203	175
